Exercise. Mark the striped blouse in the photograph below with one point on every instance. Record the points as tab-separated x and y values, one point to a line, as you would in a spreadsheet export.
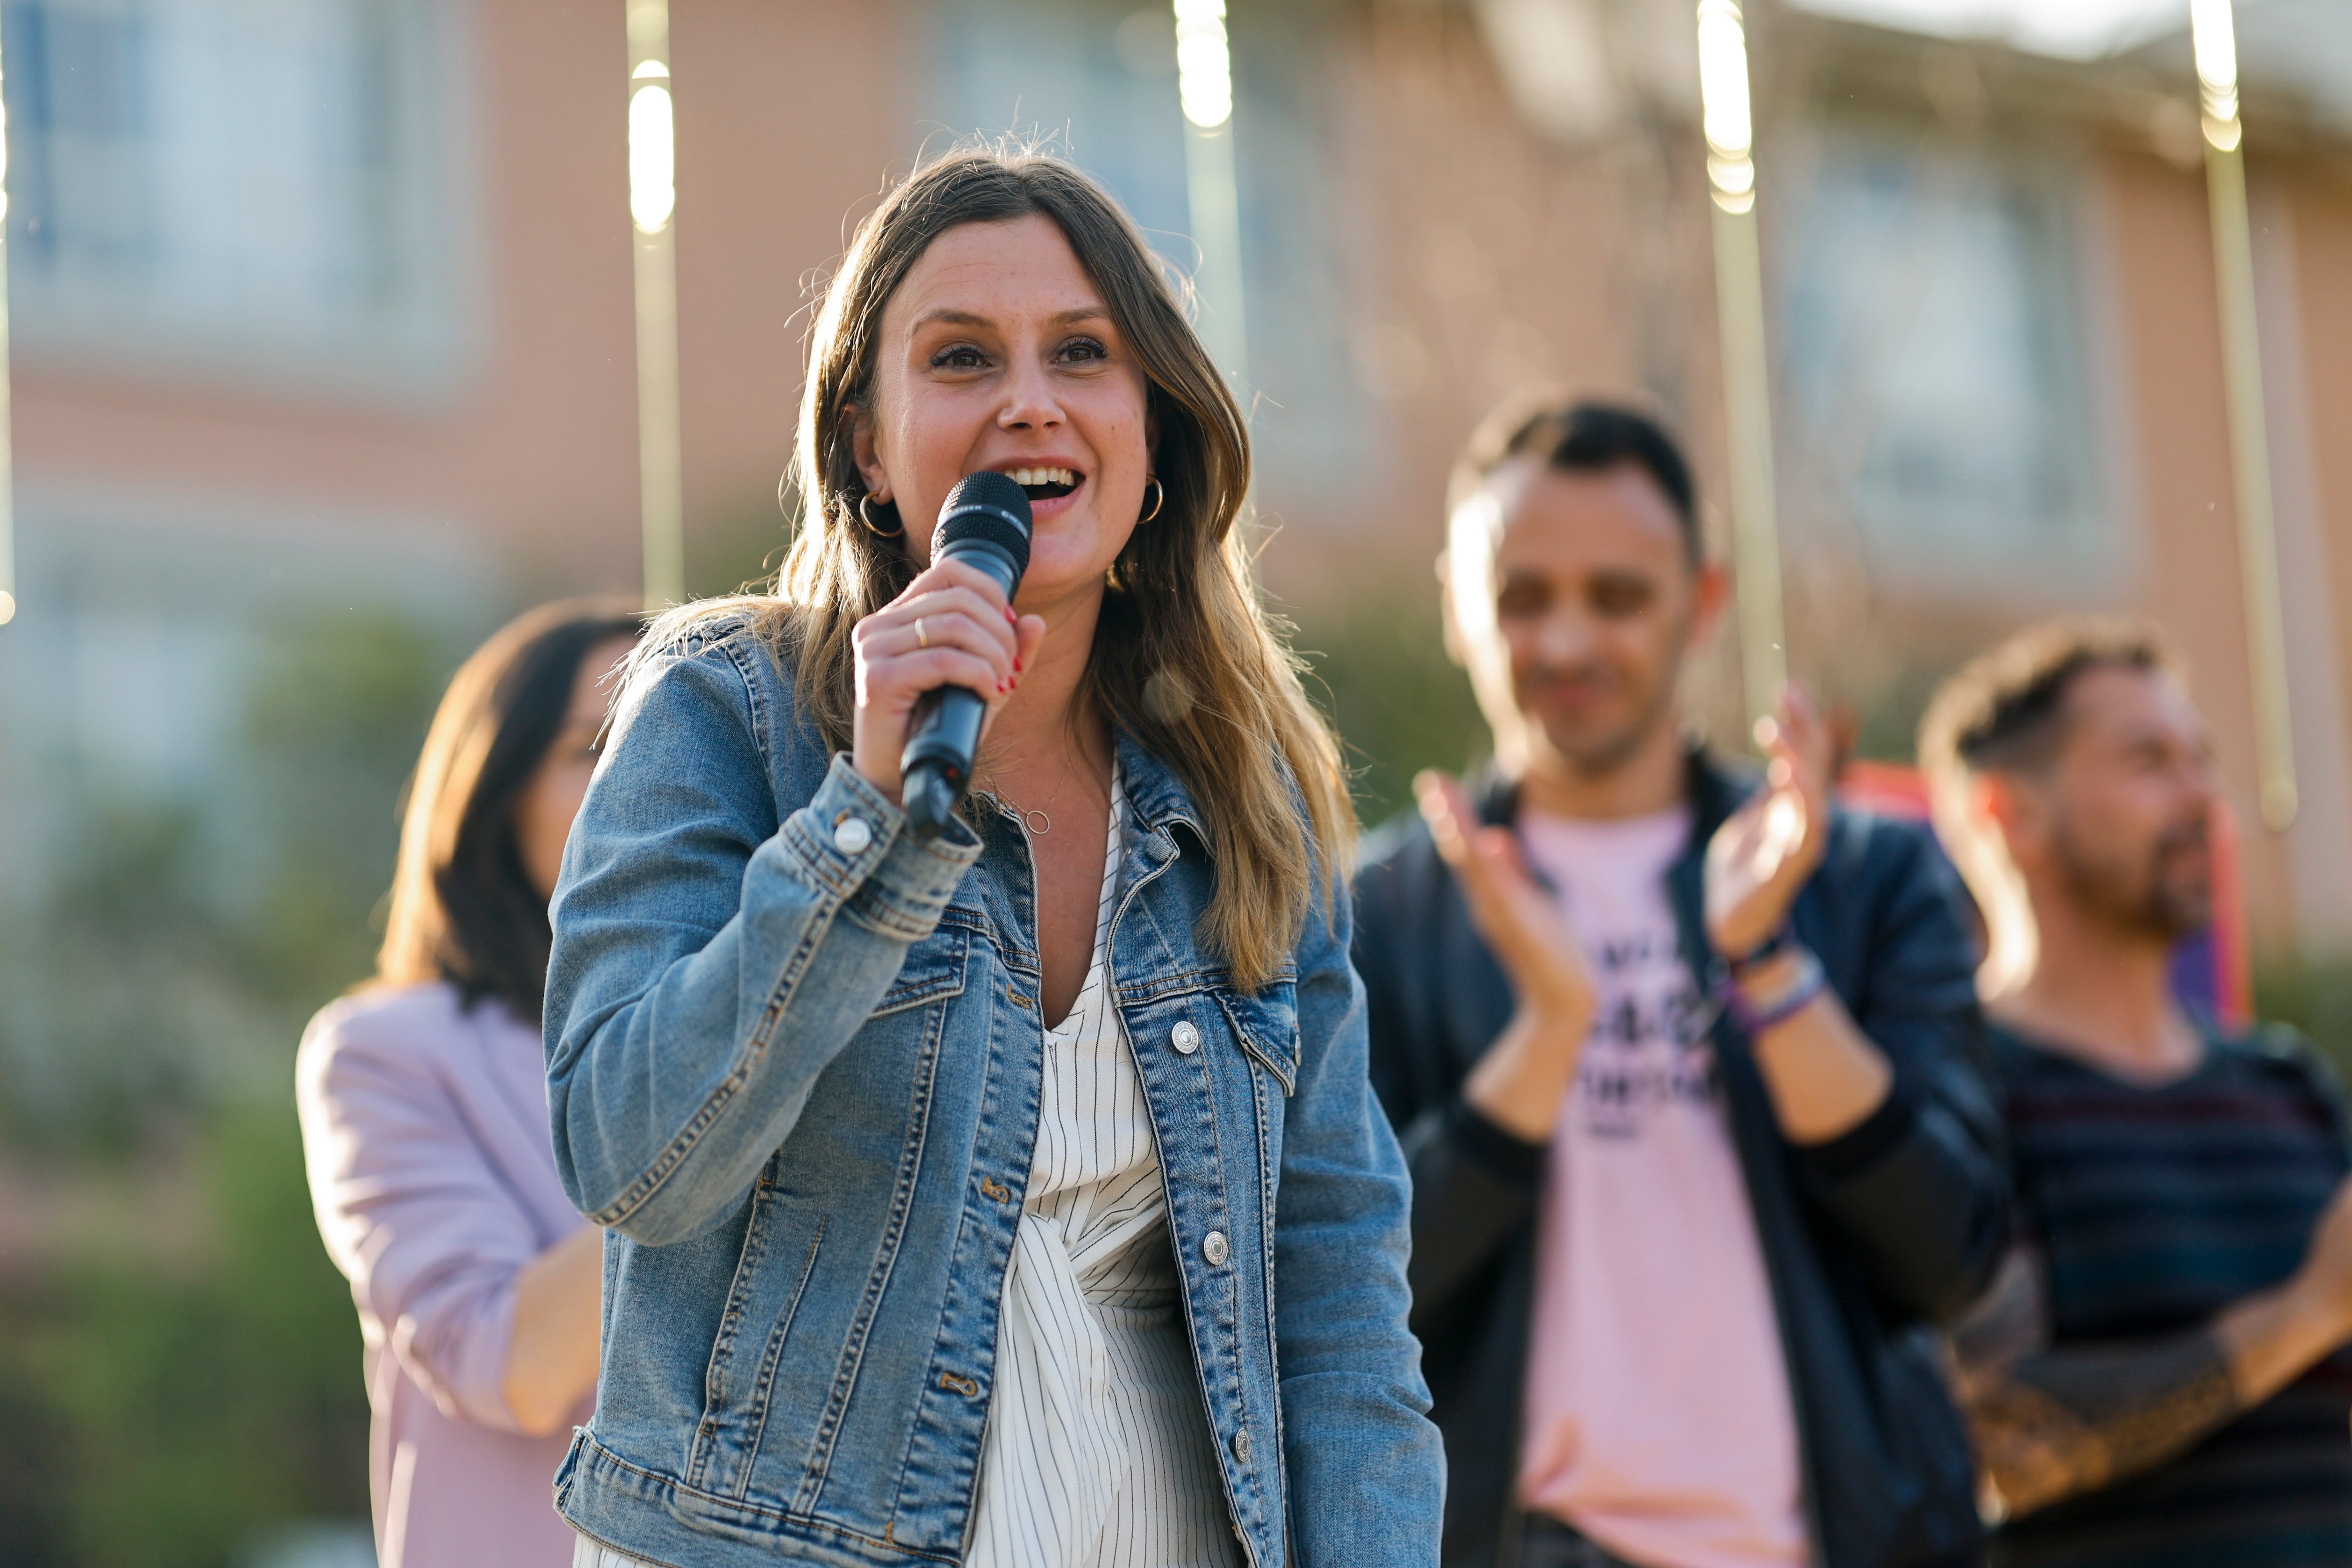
1097	1454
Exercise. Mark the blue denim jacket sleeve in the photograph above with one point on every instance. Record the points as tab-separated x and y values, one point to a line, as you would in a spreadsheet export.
1350	1371
709	961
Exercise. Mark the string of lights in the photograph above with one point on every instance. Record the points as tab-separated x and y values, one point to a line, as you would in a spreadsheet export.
7	441
1204	85
653	204
2213	36
1727	123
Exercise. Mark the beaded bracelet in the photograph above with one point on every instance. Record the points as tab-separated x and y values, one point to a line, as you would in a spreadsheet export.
1782	938
1754	1014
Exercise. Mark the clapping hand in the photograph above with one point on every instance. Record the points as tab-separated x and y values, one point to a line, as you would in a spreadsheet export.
1519	1083
1760	858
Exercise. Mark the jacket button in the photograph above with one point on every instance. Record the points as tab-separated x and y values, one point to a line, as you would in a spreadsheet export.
1214	1248
1185	1038
1243	1445
851	835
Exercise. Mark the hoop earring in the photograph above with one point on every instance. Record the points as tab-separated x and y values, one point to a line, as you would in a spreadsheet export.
866	516
1159	498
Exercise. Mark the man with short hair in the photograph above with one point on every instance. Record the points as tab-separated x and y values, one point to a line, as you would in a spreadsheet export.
2157	1378
1687	1068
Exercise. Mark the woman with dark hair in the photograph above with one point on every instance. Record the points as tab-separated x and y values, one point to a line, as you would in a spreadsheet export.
949	1180
423	1110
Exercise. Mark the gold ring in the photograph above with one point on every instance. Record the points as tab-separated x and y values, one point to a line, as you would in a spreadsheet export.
920	640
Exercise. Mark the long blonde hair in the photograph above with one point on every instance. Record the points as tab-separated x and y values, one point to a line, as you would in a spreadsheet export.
1184	657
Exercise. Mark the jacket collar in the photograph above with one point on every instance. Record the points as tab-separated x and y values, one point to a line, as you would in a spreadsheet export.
1156	796
1713	787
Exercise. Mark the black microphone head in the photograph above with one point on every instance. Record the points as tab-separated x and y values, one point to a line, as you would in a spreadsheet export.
990	507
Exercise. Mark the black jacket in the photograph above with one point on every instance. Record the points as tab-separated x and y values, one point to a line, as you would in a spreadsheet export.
1868	1239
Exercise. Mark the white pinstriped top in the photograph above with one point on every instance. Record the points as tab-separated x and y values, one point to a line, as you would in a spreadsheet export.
1099	1453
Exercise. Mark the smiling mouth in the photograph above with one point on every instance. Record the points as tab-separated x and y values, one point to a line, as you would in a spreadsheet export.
1045	484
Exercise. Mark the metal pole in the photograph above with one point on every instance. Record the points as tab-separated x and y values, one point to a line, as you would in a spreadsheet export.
653	201
1211	187
1747	373
2211	28
7	440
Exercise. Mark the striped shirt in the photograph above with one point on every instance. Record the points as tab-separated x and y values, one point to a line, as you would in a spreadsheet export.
1098	1453
2155	1208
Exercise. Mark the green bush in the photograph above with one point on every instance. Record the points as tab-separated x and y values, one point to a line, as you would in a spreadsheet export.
160	1416
1377	666
169	1401
2315	998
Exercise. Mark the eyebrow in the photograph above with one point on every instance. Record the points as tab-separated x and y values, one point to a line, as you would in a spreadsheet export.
966	319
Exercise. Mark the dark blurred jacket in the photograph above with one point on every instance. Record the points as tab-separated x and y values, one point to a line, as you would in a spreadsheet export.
1868	1239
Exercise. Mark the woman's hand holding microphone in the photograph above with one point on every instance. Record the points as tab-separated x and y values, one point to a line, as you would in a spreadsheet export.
951	627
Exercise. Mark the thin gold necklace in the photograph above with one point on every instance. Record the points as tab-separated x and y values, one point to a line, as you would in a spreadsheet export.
1039	821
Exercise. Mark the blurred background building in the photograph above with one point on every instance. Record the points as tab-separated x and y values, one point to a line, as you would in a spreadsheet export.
324	362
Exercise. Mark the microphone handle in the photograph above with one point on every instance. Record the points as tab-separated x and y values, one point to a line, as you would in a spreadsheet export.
936	767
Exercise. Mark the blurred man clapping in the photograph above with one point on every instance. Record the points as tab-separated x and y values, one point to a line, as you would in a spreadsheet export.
1684	1061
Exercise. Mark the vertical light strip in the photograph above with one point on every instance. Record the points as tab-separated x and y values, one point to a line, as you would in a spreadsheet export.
7	428
2215	39
1747	374
652	202
1205	83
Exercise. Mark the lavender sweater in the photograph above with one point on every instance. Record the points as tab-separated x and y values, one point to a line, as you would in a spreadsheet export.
425	1131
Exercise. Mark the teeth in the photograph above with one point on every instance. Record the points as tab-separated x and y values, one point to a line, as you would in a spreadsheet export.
1046	477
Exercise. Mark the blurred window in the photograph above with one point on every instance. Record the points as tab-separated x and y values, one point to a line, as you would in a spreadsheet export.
222	184
1933	342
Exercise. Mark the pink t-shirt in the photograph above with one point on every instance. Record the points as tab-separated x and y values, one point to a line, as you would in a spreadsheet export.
1658	1420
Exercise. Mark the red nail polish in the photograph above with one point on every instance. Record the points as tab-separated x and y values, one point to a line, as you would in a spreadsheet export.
1017	663
1011	616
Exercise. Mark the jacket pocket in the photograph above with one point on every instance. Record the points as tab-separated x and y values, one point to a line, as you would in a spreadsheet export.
778	1255
1266	1025
933	970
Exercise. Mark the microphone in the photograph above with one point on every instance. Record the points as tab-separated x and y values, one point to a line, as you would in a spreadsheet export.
985	523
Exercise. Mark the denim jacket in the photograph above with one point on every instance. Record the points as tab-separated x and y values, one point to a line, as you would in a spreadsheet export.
794	1065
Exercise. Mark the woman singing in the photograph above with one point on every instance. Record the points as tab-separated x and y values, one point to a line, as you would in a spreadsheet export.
424	1117
950	1181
